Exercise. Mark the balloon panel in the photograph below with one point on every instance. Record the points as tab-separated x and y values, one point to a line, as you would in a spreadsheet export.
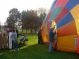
61	15
71	4
66	19
75	14
60	3
55	13
66	43
68	29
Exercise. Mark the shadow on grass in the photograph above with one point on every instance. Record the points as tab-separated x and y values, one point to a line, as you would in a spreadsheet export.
36	52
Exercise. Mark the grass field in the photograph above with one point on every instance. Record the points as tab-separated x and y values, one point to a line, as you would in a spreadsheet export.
34	51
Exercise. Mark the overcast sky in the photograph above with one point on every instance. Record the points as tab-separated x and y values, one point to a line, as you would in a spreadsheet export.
6	5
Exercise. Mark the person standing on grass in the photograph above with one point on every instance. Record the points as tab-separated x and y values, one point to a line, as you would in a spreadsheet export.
10	39
39	37
51	39
14	40
17	33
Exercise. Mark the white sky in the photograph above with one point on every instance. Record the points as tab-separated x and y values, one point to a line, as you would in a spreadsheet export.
6	5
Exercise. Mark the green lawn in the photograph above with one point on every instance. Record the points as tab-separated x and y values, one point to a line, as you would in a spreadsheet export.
34	51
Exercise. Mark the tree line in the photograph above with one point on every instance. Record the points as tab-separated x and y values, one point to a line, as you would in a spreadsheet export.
28	20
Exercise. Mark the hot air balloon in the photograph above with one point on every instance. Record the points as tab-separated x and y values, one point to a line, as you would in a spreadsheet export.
64	14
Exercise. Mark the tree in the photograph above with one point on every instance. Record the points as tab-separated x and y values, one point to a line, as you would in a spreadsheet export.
30	20
14	16
10	22
42	14
23	19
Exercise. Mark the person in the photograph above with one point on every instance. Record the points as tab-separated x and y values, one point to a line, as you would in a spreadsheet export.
51	39
14	40
55	40
5	39
10	40
17	33
1	40
39	37
23	40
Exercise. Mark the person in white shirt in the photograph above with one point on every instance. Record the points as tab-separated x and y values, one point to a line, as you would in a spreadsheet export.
10	40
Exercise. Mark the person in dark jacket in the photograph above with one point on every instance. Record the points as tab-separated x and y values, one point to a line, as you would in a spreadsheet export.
51	39
17	33
39	37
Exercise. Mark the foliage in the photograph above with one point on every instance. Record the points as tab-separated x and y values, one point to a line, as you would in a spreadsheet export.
41	13
29	20
14	16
